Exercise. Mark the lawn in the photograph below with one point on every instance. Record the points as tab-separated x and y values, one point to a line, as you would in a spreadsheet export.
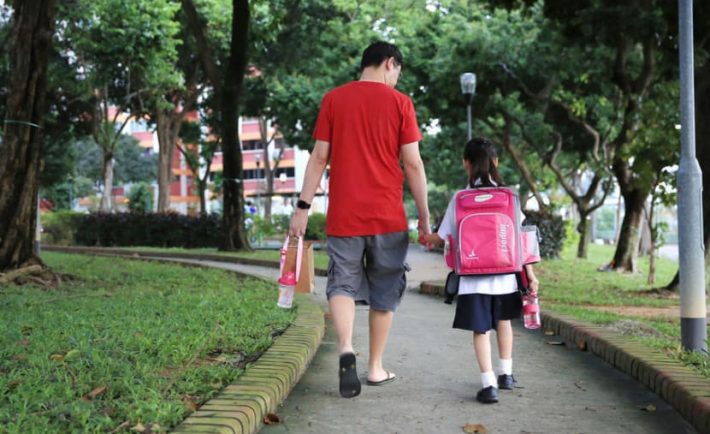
320	257
574	287
126	344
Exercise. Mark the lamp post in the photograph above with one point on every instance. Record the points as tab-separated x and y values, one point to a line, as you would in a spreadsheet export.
693	311
468	89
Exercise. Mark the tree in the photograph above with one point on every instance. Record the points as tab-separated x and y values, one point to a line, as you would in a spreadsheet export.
198	154
22	140
226	85
123	60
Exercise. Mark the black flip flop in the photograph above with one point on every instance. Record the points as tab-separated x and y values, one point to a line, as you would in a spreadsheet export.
349	383
390	378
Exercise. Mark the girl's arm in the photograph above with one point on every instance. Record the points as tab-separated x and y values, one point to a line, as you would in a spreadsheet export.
532	280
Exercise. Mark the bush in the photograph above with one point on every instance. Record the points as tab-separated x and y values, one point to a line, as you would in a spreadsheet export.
151	229
551	230
316	227
140	198
60	227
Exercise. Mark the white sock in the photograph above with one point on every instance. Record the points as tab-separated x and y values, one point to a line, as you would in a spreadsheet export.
489	379
506	367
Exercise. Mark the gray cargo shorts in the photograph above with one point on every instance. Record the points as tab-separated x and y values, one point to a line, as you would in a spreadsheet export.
369	269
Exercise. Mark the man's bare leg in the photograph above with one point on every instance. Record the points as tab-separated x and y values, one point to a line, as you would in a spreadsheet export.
380	324
342	309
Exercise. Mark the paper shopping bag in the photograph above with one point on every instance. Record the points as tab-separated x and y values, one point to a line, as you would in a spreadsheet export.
306	278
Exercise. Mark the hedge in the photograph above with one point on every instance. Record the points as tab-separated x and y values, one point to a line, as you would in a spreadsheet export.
151	229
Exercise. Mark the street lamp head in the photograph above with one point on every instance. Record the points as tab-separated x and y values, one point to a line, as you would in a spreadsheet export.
468	83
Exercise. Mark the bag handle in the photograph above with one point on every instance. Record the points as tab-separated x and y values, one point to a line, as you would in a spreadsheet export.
299	256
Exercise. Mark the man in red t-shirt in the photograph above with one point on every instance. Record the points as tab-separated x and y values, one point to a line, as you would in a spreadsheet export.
364	129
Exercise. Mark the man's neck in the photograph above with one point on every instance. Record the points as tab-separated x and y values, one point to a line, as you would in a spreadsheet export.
371	74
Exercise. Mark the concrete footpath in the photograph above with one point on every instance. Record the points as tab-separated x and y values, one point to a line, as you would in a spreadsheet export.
561	389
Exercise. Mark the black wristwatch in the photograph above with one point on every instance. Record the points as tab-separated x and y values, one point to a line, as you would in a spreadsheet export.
302	204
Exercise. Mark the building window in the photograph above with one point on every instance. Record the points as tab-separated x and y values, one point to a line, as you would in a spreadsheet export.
251	145
289	171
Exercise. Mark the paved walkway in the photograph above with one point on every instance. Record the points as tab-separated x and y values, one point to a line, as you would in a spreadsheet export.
562	390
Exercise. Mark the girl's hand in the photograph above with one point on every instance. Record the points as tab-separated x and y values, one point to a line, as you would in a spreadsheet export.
432	239
534	285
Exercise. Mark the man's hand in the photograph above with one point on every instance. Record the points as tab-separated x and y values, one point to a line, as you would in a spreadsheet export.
299	221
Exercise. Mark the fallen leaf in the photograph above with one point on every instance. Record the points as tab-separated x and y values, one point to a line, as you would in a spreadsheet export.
190	403
549	333
475	428
72	355
56	358
13	384
555	343
139	427
271	419
23	342
20	357
94	393
649	408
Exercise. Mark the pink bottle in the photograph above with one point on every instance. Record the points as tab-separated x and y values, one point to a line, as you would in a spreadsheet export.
287	287
531	311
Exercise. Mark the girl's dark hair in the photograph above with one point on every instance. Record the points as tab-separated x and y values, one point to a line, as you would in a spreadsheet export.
480	154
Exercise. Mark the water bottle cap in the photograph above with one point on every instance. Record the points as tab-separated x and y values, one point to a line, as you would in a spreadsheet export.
289	278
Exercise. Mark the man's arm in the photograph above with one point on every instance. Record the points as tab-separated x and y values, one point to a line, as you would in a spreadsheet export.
314	172
416	177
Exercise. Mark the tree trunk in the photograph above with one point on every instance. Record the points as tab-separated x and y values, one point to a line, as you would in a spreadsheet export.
227	88
654	237
22	145
233	208
627	247
269	181
105	205
168	126
584	235
202	188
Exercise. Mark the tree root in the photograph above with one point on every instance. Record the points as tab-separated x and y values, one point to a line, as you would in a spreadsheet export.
36	274
11	276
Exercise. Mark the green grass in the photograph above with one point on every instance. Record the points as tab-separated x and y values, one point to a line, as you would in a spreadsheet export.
573	287
574	281
159	338
320	258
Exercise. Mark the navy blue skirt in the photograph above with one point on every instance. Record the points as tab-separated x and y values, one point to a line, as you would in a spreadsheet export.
481	312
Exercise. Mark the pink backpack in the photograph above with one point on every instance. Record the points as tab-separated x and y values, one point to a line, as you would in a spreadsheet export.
488	238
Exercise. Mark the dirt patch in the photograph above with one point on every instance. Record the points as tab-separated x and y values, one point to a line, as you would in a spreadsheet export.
642	311
634	328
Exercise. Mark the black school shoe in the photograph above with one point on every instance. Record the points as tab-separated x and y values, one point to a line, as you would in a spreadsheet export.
506	382
487	395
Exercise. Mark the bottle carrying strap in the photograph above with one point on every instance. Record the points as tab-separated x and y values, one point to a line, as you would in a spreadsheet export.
299	256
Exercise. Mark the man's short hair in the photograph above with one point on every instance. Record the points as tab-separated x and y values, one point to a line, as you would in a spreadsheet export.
378	52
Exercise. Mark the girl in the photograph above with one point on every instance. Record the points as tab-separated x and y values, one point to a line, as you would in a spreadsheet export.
485	302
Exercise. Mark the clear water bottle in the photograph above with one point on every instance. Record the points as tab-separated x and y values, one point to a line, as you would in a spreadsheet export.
287	287
531	311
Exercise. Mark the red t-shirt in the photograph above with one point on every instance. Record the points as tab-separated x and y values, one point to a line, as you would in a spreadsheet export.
366	123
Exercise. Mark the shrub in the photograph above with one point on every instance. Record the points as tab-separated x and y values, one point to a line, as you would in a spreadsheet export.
60	227
150	229
140	198
316	227
551	230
